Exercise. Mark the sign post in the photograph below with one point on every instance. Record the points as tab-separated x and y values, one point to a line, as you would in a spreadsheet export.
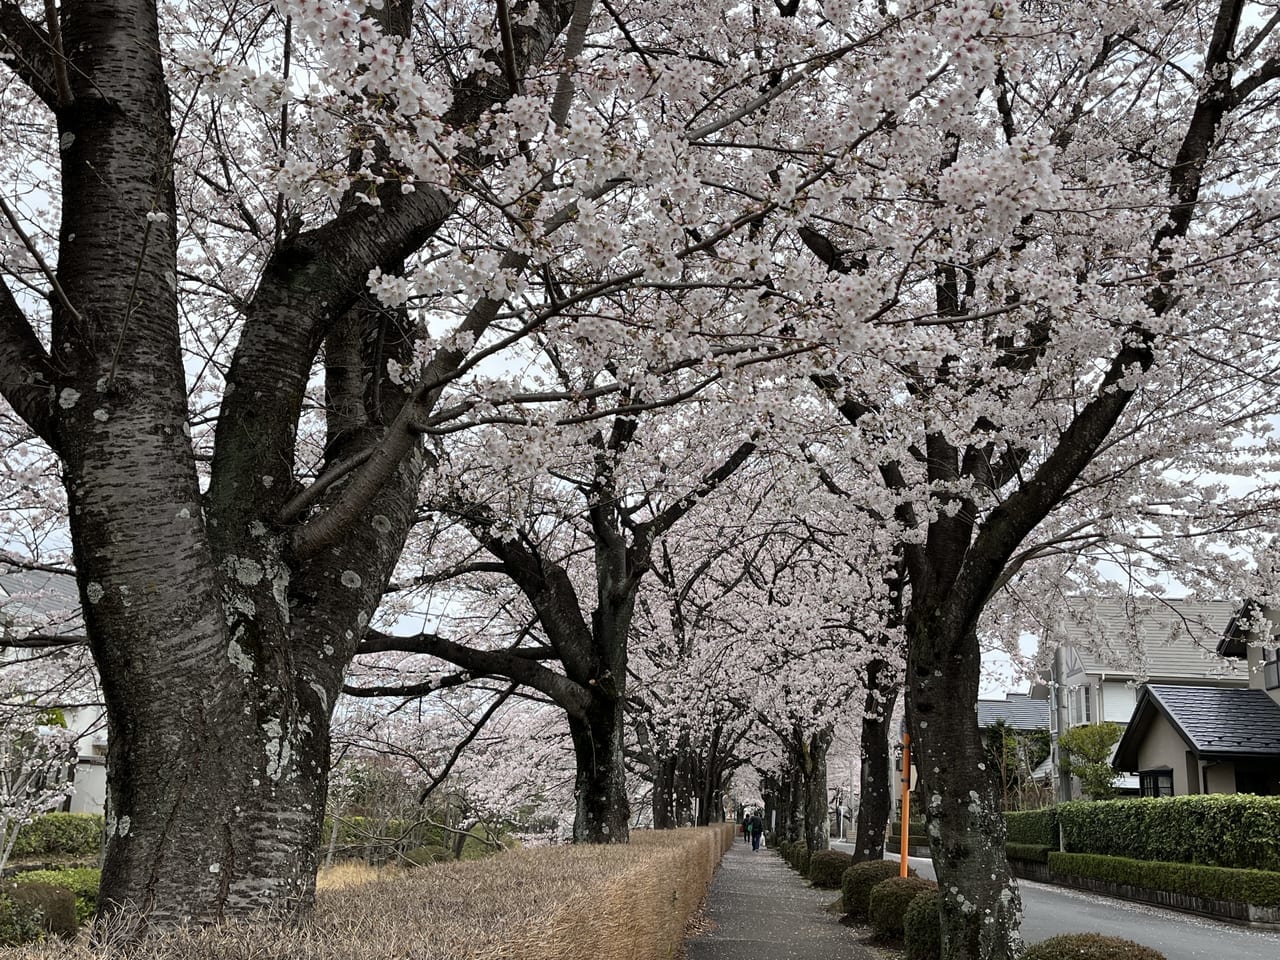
906	802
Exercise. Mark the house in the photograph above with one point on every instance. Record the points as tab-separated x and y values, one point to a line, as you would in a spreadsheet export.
48	604
1107	648
1018	711
1199	739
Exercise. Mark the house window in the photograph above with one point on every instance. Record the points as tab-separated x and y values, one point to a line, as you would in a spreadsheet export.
1271	668
1156	783
1081	705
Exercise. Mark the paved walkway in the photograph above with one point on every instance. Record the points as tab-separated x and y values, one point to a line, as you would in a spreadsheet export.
761	910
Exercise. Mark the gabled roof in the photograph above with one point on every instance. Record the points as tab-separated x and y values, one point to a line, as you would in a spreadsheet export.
34	601
1019	711
1216	722
1146	638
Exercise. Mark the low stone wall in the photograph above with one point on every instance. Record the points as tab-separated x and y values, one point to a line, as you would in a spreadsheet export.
1233	910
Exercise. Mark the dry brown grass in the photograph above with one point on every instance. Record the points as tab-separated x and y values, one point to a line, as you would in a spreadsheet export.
555	903
353	873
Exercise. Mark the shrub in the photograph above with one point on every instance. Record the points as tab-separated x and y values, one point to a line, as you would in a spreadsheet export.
856	884
889	900
1090	946
1033	827
422	856
55	906
1027	851
922	927
81	881
801	861
1259	887
826	867
1223	830
60	834
19	923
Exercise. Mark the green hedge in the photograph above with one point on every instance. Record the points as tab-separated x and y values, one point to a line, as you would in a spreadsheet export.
60	834
1090	946
1259	887
857	882
922	927
20	922
81	881
887	906
826	867
1223	830
1027	851
55	906
1038	827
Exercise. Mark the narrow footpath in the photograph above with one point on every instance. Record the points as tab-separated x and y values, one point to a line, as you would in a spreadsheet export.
760	909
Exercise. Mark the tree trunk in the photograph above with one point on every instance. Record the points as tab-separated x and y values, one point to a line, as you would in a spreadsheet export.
813	778
602	809
875	799
980	904
664	794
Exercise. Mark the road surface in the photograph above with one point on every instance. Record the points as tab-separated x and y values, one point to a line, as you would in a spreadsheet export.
1050	910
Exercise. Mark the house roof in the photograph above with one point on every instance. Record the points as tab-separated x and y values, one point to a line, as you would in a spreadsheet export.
1216	722
34	601
1019	711
1149	639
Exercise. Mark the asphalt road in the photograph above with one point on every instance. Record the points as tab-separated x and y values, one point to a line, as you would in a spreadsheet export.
1050	910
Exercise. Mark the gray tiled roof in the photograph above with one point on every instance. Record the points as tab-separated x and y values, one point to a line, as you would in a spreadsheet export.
1018	710
35	601
1222	720
1150	639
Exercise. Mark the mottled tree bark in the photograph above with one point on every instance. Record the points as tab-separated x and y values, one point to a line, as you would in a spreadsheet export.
875	798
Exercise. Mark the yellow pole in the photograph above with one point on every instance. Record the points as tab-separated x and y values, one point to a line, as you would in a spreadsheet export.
906	801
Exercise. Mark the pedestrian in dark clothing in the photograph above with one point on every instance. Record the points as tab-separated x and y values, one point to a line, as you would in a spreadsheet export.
746	831
756	826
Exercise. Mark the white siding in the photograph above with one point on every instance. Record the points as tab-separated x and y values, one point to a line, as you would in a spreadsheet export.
1118	701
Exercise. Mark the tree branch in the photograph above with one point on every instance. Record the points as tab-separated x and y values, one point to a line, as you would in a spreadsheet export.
26	370
570	696
29	53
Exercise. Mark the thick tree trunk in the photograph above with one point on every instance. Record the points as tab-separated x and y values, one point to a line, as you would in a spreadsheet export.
980	905
602	809
875	796
813	778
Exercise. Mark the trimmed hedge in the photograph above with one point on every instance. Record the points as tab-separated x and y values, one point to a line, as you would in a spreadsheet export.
19	923
1258	887
1027	851
800	859
1223	830
55	906
60	834
1090	946
856	884
1038	827
922	927
827	867
81	881
889	900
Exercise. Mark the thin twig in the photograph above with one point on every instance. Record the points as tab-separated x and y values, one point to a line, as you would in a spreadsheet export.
40	262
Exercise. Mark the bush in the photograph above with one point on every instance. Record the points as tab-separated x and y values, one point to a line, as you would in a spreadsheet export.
422	856
19	923
826	867
1223	830
889	900
801	859
60	834
1090	946
922	927
81	881
1027	851
1259	887
55	906
1038	827
856	884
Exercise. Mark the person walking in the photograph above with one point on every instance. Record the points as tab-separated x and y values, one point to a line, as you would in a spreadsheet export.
756	826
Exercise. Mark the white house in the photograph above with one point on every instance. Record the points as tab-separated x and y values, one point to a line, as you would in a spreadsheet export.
48	604
1106	650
